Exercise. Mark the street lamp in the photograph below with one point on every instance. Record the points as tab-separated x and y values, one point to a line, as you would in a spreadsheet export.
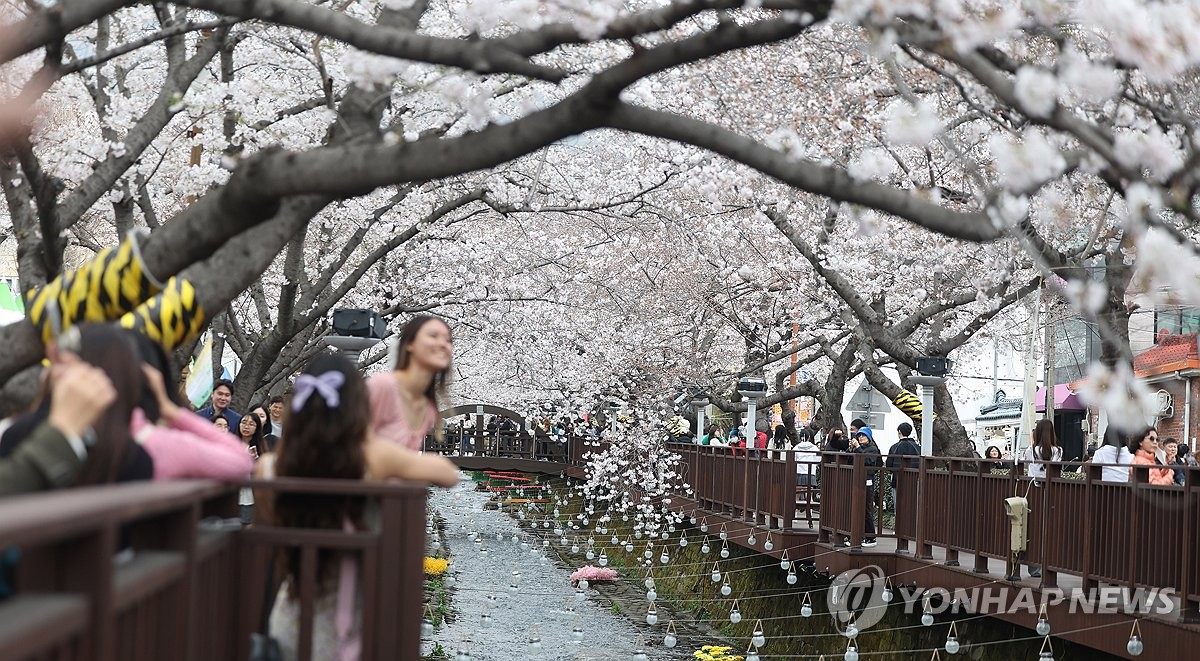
355	331
933	371
613	407
699	402
753	389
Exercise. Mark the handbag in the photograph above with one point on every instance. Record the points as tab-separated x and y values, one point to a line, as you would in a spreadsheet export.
262	646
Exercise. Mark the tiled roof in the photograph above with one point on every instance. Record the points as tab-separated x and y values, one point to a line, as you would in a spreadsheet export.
1173	352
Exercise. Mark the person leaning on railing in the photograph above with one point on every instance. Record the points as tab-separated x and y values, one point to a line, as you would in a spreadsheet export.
1144	447
328	435
808	457
112	453
51	456
1115	452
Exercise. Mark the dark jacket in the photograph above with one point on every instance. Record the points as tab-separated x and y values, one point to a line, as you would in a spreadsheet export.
873	457
43	460
231	416
905	447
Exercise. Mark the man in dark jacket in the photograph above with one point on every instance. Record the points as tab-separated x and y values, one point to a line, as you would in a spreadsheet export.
863	442
896	459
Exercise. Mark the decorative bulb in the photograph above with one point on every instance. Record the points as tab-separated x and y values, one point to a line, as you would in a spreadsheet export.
851	631
651	595
703	527
692	520
751	540
577	633
724	552
1135	647
851	655
649	582
603	560
758	638
705	548
640	656
664	558
1043	627
724	535
535	643
768	545
574	548
726	590
886	596
785	565
652	618
1045	655
683	541
752	655
735	616
716	577
952	645
665	534
806	611
426	628
791	578
670	640
927	619
629	548
590	555
583	584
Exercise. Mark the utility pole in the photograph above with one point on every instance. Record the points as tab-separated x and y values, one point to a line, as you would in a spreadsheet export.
1048	357
1030	390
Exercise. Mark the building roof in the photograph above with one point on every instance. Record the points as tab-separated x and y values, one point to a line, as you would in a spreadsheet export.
1004	409
1173	352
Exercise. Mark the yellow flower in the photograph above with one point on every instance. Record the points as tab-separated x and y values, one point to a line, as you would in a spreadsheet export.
436	566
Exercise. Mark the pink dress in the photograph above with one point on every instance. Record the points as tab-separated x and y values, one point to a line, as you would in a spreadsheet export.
387	413
191	447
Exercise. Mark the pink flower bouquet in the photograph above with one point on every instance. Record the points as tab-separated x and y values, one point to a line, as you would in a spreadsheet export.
593	574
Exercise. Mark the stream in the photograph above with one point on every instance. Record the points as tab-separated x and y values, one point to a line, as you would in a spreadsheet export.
544	618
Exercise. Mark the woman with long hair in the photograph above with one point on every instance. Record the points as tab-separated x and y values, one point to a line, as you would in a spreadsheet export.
1144	448
249	431
181	443
1044	448
113	456
405	399
328	435
1115	454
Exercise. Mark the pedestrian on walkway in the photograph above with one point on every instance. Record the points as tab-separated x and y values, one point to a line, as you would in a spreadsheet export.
1114	455
1174	461
1144	447
863	442
218	407
1044	448
896	457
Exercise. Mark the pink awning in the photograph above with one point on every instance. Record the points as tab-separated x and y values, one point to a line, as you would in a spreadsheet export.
1064	399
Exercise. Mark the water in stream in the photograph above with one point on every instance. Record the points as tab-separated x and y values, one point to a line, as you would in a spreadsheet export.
491	620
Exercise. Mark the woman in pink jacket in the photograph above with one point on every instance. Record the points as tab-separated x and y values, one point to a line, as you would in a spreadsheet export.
181	443
1144	447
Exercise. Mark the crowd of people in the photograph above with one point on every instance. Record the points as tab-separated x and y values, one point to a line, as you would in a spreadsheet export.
106	414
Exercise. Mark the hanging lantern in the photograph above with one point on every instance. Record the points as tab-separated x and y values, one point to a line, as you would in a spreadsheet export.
785	563
704	524
652	615
1047	651
927	615
535	643
1135	646
724	549
806	606
704	547
651	594
758	638
664	558
577	633
724	533
716	573
590	555
751	540
735	615
583	584
683	541
791	577
768	545
851	631
671	639
603	559
851	652
649	582
952	646
726	589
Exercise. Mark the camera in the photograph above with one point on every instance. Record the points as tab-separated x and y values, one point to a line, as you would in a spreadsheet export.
934	365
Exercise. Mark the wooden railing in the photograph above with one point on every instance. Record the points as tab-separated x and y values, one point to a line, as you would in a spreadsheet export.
567	450
164	570
757	486
1130	534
